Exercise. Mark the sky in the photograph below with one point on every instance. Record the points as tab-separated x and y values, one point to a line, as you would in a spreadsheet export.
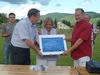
21	7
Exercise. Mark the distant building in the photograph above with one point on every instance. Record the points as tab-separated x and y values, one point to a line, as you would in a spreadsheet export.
61	25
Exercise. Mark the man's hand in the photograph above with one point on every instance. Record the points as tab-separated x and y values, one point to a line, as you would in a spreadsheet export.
65	53
67	40
39	52
9	33
76	45
6	34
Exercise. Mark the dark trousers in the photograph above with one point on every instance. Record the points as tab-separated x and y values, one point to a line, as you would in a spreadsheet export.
20	56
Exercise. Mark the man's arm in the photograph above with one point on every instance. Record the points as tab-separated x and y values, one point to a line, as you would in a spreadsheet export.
94	36
5	35
76	45
31	45
68	40
3	31
36	43
57	32
94	32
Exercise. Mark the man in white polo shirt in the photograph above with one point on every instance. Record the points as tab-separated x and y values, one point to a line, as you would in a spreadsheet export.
24	35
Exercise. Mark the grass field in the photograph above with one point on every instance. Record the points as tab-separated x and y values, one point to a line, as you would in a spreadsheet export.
63	60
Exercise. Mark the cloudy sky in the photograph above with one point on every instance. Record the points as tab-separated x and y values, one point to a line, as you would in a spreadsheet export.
21	7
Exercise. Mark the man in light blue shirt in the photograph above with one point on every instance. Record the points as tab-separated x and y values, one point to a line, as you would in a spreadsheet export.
24	35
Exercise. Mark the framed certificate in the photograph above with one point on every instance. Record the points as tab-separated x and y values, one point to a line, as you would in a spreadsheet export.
52	44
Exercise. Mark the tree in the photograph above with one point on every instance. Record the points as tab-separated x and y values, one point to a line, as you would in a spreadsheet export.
66	22
98	24
17	20
39	24
3	18
55	23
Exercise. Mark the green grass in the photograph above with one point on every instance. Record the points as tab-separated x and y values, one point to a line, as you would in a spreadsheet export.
1	49
63	60
96	52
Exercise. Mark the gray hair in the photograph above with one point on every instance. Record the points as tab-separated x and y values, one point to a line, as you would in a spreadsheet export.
33	12
47	19
80	10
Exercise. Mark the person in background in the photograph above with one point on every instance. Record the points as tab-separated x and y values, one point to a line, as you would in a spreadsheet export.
24	35
47	60
94	32
6	32
80	48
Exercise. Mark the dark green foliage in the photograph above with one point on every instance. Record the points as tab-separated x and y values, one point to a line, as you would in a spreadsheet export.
3	19
55	23
98	24
66	22
39	24
17	20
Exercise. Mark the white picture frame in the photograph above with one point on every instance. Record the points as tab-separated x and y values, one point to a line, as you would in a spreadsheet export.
52	44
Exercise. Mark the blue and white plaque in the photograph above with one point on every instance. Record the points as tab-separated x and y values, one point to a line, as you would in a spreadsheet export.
52	44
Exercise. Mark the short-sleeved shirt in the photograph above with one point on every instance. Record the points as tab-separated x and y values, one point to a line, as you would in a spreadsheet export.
24	29
82	30
93	30
6	28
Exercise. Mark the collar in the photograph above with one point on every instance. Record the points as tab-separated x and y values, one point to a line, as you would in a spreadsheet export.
32	25
11	23
29	22
78	23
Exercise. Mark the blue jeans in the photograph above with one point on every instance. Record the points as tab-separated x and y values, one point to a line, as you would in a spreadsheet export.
6	53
